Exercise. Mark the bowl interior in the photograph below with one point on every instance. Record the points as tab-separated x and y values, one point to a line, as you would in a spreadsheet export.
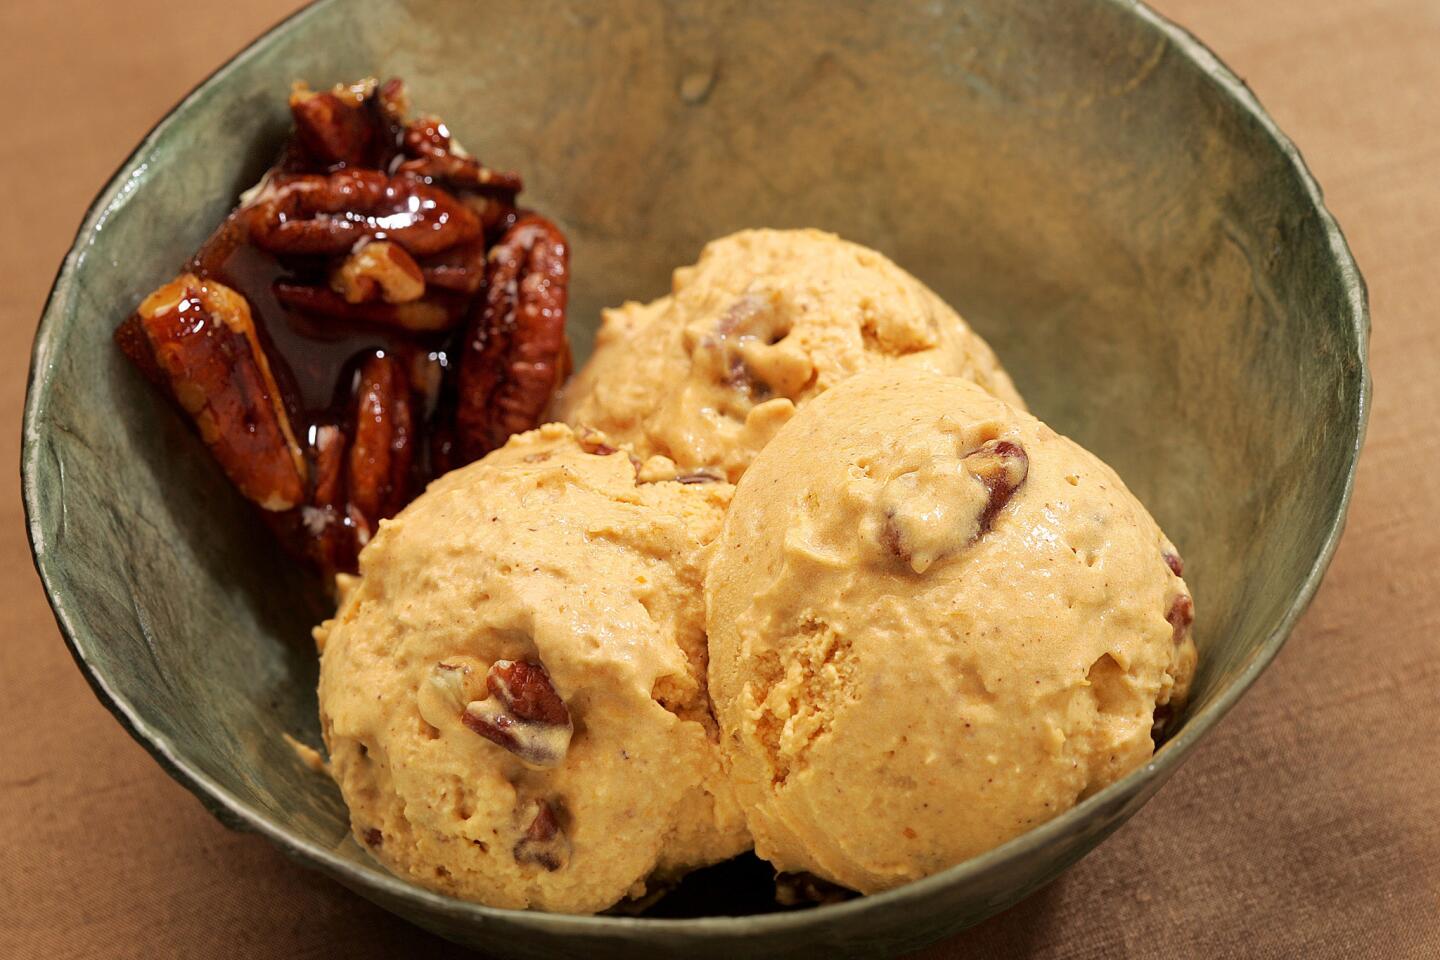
1102	201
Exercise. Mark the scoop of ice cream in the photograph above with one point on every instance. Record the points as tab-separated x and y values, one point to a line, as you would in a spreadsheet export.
765	321
512	692
934	624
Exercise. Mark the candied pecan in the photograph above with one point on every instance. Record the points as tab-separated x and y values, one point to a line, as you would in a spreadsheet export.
434	156
328	455
393	103
461	268
329	531
440	310
497	214
132	340
334	127
354	125
218	247
427	137
463	173
544	842
409	249
374	837
1180	616
749	322
523	713
378	270
378	474
327	537
200	337
323	214
515	353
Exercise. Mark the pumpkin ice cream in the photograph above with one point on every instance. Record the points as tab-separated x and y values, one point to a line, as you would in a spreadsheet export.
512	691
934	624
763	323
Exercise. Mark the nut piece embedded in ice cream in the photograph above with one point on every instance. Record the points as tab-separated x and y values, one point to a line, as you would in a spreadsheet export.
1180	616
947	502
544	842
523	713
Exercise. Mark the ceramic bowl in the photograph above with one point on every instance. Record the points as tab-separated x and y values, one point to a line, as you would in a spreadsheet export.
1103	199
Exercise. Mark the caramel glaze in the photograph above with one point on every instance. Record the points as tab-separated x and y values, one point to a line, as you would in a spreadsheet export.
316	359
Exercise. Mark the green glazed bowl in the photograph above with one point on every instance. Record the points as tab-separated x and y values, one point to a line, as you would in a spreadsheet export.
1105	201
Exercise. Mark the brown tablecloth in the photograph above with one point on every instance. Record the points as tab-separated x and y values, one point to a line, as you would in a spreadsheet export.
1307	826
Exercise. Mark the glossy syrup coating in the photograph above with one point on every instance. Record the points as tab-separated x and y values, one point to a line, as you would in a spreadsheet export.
361	353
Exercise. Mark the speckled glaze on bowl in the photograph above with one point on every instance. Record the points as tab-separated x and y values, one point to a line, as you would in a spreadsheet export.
1104	200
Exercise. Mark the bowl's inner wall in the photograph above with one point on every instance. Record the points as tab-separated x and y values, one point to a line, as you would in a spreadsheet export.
1134	247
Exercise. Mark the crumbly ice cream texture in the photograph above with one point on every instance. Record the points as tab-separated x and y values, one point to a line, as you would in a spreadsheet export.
905	677
548	553
763	323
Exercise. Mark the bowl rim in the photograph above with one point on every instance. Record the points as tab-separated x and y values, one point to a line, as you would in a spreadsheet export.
235	813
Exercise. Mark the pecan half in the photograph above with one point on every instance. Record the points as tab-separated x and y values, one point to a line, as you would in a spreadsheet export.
543	842
523	713
497	214
219	246
331	531
328	531
354	125
515	353
197	337
334	126
325	214
378	471
433	155
328	455
461	268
